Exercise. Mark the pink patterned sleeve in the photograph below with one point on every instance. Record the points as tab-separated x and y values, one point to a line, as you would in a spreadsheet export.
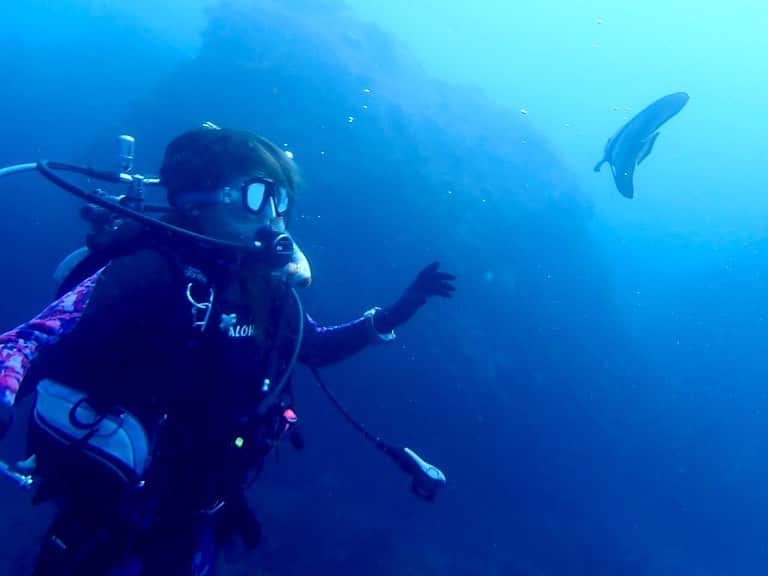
19	347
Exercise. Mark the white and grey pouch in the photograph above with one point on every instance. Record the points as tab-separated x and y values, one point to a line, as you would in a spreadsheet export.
73	433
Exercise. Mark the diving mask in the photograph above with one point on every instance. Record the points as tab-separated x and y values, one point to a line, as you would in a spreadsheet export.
258	196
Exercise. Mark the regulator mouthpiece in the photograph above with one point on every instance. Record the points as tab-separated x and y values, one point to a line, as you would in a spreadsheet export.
276	247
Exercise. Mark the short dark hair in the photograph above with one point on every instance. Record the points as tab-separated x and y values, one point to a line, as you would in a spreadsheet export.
208	158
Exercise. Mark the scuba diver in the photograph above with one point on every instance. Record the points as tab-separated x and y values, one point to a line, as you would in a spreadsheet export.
162	370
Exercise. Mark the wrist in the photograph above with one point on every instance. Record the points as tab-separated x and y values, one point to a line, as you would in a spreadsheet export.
374	315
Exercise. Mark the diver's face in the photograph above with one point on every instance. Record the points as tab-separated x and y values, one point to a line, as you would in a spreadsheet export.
230	222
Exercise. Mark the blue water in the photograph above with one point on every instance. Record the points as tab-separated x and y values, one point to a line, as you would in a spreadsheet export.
594	392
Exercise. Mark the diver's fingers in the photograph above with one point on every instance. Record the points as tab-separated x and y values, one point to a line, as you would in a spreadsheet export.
445	277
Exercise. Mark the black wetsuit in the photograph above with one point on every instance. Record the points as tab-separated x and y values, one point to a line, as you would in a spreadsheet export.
201	381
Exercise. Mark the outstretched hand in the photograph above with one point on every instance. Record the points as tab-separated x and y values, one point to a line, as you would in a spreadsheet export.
429	282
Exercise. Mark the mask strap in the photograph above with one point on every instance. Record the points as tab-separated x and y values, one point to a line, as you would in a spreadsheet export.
221	196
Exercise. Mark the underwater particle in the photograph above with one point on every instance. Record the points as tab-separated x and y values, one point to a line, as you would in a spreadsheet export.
289	154
366	90
596	44
488	276
524	141
350	119
239	442
322	152
365	106
450	192
567	124
600	21
524	111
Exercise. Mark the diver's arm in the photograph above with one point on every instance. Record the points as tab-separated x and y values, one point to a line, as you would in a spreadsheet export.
20	347
430	282
324	345
100	310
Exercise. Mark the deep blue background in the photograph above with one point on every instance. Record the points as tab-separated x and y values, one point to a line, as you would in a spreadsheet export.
572	443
